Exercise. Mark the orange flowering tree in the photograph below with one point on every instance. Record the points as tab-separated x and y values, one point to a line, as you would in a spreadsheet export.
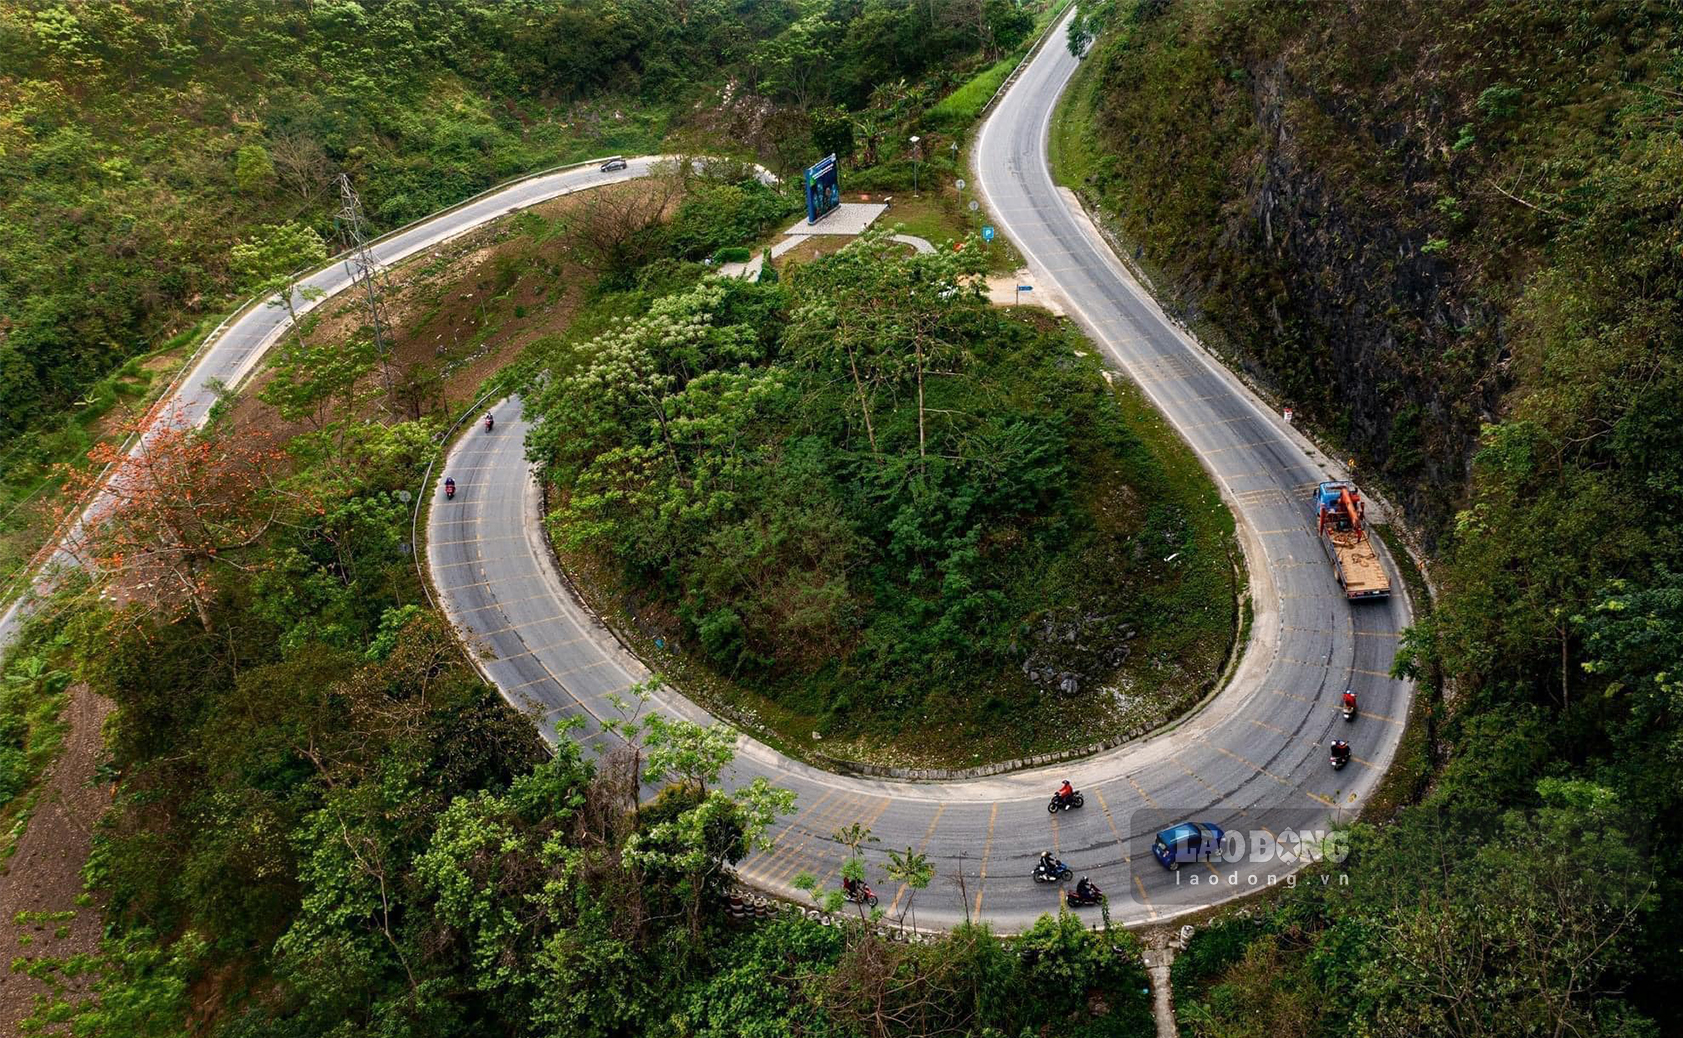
161	519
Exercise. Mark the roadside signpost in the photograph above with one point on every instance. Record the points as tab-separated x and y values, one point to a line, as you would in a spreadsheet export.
987	232
1020	290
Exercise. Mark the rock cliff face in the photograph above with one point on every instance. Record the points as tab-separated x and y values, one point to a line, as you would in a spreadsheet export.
1374	319
1297	189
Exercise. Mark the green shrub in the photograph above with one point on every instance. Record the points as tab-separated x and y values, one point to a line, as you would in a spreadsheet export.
724	215
734	254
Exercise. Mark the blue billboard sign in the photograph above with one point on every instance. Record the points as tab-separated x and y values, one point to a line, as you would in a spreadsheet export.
823	191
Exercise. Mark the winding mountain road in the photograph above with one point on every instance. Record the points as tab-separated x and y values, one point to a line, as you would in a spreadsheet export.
1252	761
232	351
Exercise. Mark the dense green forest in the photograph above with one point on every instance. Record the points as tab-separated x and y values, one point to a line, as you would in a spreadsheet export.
141	139
887	506
1450	233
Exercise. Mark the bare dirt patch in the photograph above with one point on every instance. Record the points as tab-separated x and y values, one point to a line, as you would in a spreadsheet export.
457	314
41	909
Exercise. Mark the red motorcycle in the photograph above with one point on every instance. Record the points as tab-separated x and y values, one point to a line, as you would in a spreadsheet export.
860	894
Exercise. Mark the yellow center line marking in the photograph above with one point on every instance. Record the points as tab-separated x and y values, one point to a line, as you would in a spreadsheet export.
1143	794
1305	738
864	823
822	832
499	603
777	843
790	864
987	848
1373	673
480	540
1334	705
544	648
603	662
940	809
1140	886
517	627
1264	771
480	561
1123	847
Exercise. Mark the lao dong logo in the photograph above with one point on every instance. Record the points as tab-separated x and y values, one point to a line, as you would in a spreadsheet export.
1288	847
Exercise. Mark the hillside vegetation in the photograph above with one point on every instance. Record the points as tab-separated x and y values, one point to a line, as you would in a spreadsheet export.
141	140
325	823
1449	234
900	515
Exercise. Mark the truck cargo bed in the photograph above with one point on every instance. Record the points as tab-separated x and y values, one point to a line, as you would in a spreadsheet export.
1358	567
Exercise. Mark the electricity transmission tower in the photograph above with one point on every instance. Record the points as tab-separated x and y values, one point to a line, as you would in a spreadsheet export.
363	268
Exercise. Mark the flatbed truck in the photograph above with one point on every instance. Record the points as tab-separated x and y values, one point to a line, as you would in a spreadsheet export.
1340	518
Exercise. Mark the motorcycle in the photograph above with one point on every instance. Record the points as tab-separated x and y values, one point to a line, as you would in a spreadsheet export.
1075	900
1060	804
861	895
449	489
1058	873
489	421
1350	708
1339	756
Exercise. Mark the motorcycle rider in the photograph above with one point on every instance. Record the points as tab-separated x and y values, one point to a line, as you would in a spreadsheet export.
1340	751
854	891
1065	792
1085	890
1048	864
1349	699
489	421
450	487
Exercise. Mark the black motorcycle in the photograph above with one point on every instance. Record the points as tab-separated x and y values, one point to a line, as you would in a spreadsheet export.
1058	873
1060	804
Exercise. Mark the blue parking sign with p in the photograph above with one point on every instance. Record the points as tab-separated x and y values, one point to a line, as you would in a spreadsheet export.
987	233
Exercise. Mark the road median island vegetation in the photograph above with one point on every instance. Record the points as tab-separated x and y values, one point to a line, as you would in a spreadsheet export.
864	507
1446	234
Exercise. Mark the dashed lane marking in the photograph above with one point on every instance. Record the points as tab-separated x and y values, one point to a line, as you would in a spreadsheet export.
987	849
1260	770
921	848
1144	898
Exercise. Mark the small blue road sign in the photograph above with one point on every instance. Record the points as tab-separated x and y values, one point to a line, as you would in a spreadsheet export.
987	233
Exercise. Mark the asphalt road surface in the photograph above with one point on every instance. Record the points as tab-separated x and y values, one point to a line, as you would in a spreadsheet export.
1253	761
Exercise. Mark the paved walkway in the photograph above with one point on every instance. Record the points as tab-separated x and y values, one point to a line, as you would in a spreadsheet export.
846	220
